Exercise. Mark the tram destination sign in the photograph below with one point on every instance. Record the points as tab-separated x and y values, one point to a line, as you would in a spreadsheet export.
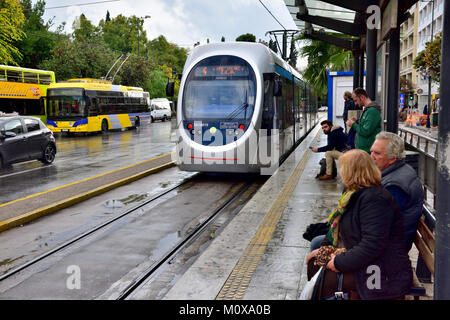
218	71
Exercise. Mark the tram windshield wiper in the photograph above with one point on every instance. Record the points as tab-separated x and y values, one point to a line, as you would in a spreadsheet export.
238	110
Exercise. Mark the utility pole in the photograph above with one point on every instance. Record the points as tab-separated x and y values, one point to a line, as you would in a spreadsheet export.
429	74
139	44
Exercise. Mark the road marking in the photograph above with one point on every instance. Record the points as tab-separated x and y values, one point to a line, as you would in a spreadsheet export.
86	179
25	171
239	279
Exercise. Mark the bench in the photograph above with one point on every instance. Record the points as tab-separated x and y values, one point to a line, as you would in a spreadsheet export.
424	242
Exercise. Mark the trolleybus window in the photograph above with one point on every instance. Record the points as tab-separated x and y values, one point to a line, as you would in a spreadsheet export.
66	103
220	87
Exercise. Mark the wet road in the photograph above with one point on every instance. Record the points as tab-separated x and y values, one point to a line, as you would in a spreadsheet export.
86	156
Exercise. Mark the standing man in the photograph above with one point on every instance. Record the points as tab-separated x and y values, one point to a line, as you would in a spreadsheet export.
400	179
370	122
334	149
349	104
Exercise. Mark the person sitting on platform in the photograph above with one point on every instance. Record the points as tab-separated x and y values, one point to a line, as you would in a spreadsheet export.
337	140
400	179
367	228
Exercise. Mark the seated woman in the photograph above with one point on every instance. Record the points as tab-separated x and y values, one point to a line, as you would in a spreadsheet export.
369	225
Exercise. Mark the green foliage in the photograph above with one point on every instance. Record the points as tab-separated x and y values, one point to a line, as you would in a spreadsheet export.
169	54
429	60
121	34
135	72
248	37
79	59
322	57
39	41
84	30
11	30
156	84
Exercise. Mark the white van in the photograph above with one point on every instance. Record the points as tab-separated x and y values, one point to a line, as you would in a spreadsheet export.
160	109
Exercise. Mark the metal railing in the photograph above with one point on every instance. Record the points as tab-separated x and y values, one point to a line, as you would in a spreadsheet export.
427	147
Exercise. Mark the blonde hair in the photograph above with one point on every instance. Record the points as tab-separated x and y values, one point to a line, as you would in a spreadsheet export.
358	170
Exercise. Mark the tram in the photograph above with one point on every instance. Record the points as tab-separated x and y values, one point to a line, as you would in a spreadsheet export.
241	108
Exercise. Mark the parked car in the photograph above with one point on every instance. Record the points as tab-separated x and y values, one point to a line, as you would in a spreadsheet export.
160	109
25	138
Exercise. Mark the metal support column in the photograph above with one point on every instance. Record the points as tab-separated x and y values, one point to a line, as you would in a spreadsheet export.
393	79
442	252
361	70
371	70
356	56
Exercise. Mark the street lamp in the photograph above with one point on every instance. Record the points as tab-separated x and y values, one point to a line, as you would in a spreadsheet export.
140	19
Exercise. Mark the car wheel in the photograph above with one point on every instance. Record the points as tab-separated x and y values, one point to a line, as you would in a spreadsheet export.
152	119
104	125
164	118
49	154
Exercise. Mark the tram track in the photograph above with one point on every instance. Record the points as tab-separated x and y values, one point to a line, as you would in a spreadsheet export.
93	229
165	258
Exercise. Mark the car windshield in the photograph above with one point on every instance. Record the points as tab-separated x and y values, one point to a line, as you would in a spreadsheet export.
221	87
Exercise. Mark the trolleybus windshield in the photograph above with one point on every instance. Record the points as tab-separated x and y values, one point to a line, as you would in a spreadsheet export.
220	87
66	103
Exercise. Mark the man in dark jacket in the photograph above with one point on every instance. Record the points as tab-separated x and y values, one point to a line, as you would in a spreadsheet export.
400	179
349	104
370	122
334	149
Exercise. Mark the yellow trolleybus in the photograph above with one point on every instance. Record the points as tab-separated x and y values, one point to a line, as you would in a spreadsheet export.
90	105
21	90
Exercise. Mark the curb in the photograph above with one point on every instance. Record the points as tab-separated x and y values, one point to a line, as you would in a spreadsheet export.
35	214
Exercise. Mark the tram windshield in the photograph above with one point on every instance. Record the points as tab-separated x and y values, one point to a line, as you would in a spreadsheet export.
221	87
66	103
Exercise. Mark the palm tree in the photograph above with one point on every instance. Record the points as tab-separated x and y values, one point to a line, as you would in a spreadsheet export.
322	56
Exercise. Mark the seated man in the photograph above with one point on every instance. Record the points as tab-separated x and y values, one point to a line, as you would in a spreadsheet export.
337	140
400	179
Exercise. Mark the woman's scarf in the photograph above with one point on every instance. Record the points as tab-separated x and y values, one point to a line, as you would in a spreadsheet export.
335	217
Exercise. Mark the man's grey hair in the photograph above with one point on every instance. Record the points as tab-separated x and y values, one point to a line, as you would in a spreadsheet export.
395	147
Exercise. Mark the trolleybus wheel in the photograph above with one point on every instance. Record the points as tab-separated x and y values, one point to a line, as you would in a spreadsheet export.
104	125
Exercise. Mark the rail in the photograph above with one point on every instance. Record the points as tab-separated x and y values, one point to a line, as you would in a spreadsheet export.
427	147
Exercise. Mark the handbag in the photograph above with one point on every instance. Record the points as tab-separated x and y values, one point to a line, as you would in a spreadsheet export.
339	294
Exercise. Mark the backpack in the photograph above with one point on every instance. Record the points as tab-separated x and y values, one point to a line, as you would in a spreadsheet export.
323	168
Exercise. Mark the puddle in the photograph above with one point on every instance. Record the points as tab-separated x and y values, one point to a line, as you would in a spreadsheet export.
9	261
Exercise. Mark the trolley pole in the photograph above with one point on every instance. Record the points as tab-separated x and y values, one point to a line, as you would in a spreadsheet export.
442	252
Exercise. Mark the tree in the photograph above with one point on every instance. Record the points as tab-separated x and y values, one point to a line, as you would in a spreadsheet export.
428	61
108	16
121	33
11	30
164	53
84	29
80	59
248	37
322	57
36	46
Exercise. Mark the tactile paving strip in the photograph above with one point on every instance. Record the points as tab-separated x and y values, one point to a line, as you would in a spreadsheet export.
239	279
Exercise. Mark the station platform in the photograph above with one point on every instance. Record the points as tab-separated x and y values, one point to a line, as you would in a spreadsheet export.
261	254
20	211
